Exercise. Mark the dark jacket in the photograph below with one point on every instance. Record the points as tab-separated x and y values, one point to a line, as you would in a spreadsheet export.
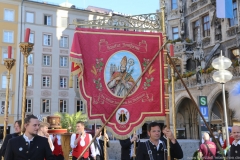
5	142
101	143
19	149
142	152
126	148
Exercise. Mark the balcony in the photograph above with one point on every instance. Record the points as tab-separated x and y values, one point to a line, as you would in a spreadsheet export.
206	79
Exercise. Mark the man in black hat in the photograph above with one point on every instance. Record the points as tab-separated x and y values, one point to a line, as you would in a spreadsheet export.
29	146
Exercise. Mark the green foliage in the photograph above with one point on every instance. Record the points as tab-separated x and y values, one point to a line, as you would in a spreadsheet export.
235	63
175	40
68	121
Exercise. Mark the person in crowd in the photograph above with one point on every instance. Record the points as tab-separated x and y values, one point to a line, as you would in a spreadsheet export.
156	149
164	128
235	147
80	141
207	149
99	144
231	139
127	147
43	132
58	153
29	145
220	137
17	132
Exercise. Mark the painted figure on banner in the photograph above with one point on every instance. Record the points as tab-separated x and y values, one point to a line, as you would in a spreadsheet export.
122	78
122	116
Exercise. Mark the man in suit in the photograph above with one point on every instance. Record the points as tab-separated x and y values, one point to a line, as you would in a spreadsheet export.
127	147
17	128
155	148
29	145
99	144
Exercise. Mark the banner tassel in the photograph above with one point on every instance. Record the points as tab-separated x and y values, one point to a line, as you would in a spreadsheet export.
71	81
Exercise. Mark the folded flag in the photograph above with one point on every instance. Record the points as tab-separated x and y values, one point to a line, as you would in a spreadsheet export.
224	9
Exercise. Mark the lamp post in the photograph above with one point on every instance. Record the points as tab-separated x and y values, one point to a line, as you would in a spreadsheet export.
8	63
26	49
222	76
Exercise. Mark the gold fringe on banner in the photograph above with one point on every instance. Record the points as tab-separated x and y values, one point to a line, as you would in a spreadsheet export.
70	81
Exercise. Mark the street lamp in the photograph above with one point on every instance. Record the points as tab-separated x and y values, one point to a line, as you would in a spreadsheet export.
222	76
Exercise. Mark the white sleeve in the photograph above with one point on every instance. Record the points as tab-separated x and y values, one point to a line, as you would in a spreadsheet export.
51	137
92	147
73	138
52	148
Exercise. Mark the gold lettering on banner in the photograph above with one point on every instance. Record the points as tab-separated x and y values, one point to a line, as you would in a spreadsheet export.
143	97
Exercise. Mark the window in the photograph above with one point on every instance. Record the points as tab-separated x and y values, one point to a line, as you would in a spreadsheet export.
174	4
80	106
64	22
206	26
3	107
77	85
175	32
234	21
4	54
47	20
46	81
63	82
30	59
28	106
31	37
4	81
62	106
196	25
45	105
63	61
46	60
29	80
64	42
8	15
8	36
30	17
47	39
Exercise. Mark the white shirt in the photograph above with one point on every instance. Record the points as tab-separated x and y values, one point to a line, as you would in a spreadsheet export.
96	149
58	139
73	138
158	144
235	143
26	139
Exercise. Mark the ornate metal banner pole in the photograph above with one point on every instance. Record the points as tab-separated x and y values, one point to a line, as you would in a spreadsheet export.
8	63
26	49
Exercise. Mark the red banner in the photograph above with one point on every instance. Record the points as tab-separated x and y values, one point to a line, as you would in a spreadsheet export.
110	62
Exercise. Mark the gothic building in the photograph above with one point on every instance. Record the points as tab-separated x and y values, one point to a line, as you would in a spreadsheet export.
199	37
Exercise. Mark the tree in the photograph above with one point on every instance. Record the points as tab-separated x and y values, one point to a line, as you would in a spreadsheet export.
68	121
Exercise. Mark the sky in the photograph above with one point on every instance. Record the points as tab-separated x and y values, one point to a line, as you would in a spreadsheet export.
132	7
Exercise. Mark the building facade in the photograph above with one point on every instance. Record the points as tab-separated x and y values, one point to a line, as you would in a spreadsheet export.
199	37
9	30
48	71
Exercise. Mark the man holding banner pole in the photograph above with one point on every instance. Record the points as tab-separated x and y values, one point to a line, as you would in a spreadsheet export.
156	149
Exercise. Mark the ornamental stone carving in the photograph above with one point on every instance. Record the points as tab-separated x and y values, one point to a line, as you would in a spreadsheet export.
63	71
3	94
64	51
47	50
29	92
63	94
30	69
46	70
46	93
